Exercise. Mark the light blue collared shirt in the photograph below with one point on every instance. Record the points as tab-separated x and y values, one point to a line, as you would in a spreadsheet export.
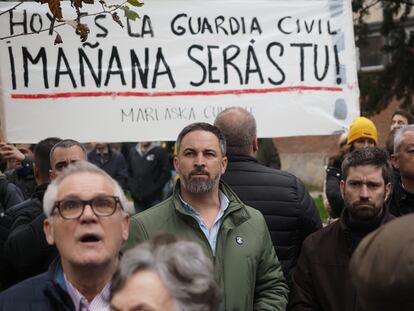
213	233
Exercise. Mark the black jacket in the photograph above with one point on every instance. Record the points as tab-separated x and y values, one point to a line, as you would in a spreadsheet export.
332	188
25	251
113	163
289	211
10	194
148	173
23	177
401	201
43	292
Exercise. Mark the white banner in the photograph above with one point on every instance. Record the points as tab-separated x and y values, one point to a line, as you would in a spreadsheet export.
291	63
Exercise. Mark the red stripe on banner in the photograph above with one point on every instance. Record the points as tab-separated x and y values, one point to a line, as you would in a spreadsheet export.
177	93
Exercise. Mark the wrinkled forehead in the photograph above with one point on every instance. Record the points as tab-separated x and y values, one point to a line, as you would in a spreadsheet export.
365	172
400	118
85	184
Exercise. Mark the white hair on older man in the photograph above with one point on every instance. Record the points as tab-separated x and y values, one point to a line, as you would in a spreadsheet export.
50	197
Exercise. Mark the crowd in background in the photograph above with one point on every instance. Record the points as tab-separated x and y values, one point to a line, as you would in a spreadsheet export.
215	182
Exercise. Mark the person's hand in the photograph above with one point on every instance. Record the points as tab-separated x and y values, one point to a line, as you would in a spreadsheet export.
10	152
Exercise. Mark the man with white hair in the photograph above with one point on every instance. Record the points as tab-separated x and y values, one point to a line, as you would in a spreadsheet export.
87	221
402	199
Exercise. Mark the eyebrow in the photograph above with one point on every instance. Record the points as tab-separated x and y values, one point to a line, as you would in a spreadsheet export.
138	307
141	306
202	150
76	196
361	181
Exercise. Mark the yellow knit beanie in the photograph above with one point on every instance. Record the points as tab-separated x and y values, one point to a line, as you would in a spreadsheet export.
362	127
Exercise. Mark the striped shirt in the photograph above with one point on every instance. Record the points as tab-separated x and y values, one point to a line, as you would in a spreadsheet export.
99	303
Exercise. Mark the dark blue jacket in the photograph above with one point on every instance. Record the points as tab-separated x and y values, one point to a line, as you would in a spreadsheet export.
43	292
112	163
401	201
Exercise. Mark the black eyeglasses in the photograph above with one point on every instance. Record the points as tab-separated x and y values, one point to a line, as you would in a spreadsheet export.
102	206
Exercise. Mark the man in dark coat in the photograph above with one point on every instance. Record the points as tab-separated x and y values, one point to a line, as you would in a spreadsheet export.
111	161
289	211
20	166
26	248
322	280
149	170
16	268
10	194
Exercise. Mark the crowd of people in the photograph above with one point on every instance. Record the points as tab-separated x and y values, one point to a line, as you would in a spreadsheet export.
98	228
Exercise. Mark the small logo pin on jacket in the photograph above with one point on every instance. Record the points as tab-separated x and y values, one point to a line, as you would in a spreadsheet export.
239	240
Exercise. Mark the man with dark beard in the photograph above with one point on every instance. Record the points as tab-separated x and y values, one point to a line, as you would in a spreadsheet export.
205	210
322	280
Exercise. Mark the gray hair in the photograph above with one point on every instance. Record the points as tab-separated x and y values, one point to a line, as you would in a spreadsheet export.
398	136
202	126
238	127
51	193
182	266
67	143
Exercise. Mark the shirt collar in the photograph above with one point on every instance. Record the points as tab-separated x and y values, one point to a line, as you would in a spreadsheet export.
77	297
224	203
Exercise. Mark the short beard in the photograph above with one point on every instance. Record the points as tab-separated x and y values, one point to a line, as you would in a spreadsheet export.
197	185
365	213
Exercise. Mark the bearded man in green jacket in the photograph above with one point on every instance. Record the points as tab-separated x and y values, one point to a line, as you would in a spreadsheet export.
204	210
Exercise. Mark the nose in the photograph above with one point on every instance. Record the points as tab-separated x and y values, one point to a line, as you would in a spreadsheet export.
364	192
200	160
88	213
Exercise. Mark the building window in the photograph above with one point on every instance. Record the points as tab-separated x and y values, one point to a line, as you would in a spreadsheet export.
371	56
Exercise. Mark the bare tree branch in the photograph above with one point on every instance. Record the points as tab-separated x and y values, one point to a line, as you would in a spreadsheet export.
104	11
365	9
